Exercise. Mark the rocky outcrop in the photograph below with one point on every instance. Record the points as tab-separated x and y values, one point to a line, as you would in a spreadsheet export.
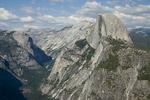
101	66
107	25
112	26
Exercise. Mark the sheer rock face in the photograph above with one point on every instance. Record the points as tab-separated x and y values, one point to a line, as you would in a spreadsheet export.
22	40
112	26
107	25
103	66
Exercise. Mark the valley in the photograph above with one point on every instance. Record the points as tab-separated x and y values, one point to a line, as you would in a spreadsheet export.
87	61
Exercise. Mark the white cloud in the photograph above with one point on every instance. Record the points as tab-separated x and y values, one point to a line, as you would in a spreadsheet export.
62	21
117	2
134	10
130	15
113	2
28	10
90	9
31	26
56	20
47	16
79	19
134	15
26	19
2	24
6	15
18	29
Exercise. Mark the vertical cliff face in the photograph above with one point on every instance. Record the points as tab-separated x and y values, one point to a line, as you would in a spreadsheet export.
107	25
112	26
103	66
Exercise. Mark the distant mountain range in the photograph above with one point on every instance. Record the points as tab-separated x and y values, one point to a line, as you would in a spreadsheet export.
141	38
140	31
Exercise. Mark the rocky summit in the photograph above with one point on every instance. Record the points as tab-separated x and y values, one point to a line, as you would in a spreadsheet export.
104	65
107	25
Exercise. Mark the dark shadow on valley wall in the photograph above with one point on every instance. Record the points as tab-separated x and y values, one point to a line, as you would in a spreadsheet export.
9	86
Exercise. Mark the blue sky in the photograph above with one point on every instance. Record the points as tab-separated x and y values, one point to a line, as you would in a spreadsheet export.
25	14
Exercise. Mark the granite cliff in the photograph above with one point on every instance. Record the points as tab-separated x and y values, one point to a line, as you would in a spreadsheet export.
91	61
104	65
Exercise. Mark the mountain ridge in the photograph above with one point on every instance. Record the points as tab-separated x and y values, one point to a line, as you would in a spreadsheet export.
91	61
99	67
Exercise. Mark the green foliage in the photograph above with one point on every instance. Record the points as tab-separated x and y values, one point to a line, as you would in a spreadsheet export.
126	67
148	97
83	82
110	64
141	42
90	53
55	83
117	44
37	95
128	62
81	43
142	96
69	91
49	64
34	77
138	53
110	82
144	73
87	55
93	93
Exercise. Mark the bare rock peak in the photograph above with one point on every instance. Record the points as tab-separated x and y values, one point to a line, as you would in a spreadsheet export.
112	26
107	25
